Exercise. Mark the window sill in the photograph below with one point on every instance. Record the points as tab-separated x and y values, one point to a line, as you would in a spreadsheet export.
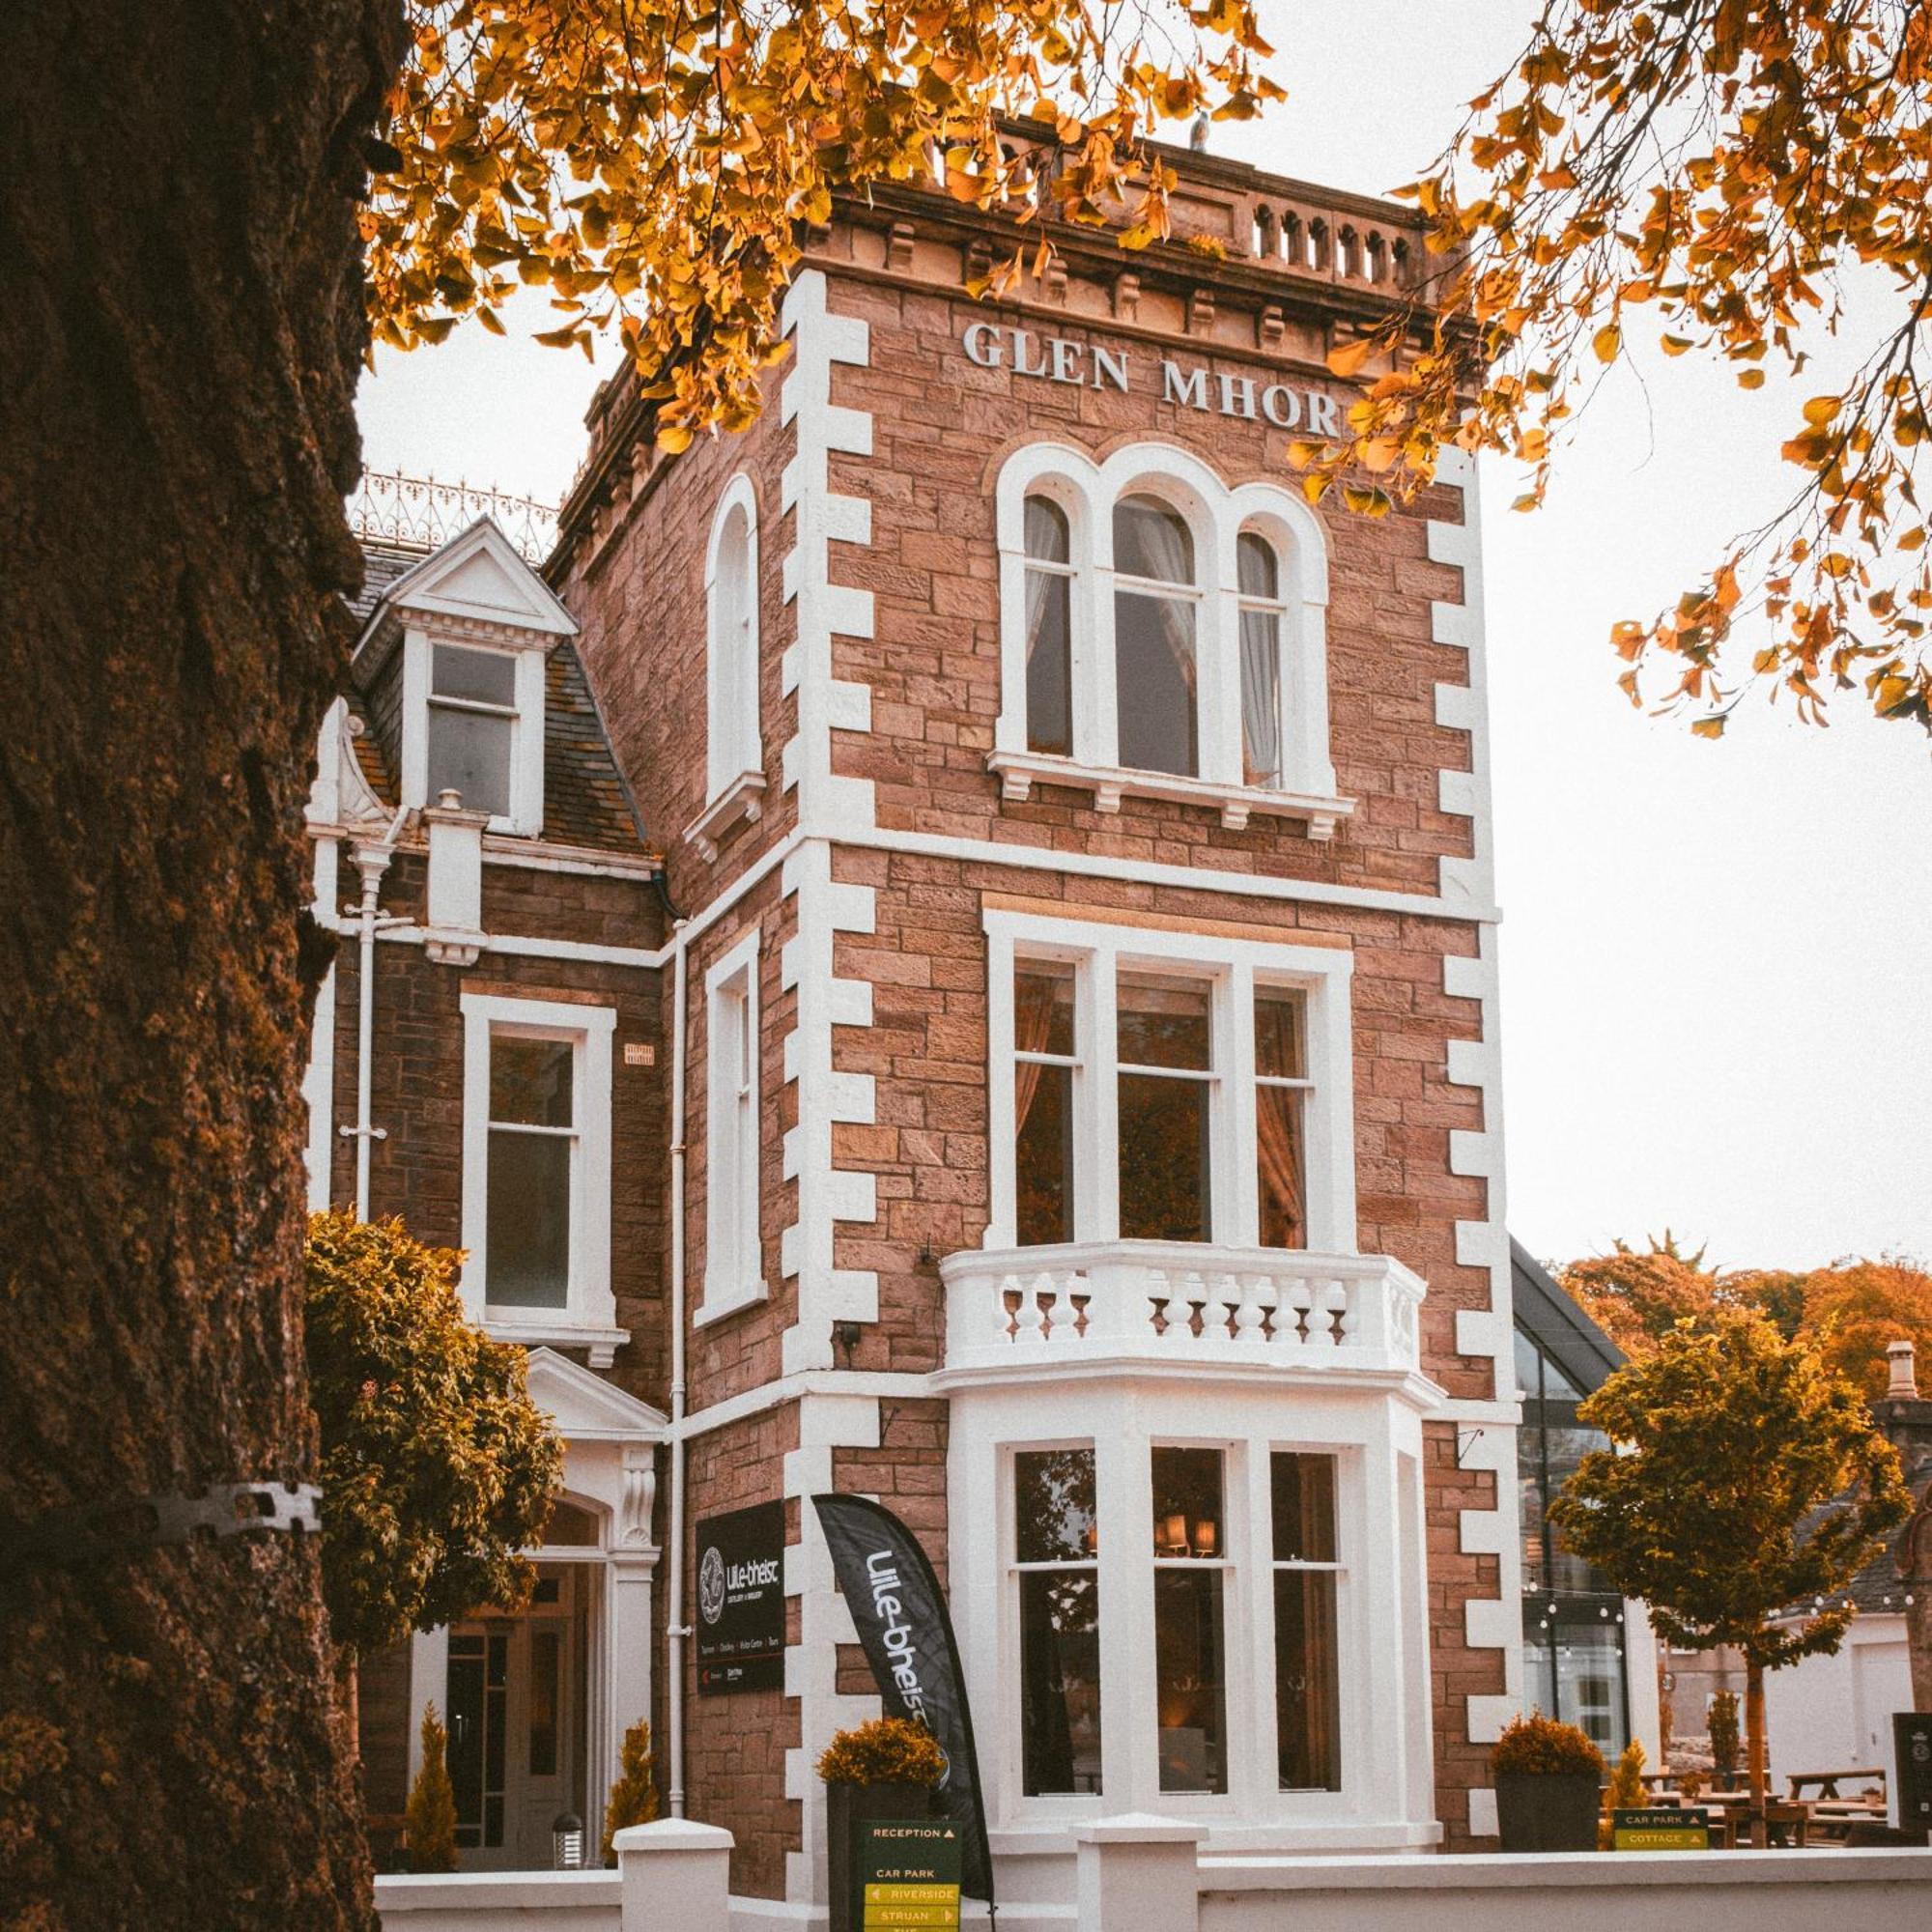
1020	770
743	797
718	1303
554	1328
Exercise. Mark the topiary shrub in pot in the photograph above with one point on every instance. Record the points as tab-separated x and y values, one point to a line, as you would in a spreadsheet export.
884	1769
1548	1776
1723	1722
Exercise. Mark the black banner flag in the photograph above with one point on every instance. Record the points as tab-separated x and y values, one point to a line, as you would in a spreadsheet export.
901	1613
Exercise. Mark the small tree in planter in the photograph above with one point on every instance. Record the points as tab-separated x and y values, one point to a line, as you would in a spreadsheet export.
1547	1776
634	1798
884	1769
1725	1737
430	1830
1624	1792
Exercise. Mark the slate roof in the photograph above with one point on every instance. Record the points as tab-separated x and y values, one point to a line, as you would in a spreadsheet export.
382	566
586	800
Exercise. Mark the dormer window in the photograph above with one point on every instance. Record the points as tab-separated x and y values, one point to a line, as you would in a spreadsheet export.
452	666
472	726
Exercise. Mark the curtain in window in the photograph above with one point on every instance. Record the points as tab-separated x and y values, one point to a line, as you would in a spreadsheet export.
1278	1136
1033	996
1165	550
1046	540
1260	695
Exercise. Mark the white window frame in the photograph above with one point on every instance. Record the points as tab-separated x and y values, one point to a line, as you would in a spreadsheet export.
1321	974
525	816
589	1315
733	1256
1123	1429
1215	514
734	744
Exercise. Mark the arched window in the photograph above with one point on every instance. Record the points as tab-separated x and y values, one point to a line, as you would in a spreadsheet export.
732	590
1182	659
1049	642
1155	674
1261	626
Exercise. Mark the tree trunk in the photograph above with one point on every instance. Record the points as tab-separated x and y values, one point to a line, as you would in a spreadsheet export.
1914	1556
179	348
1754	1751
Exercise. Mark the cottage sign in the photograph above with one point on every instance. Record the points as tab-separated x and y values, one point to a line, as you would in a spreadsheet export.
1059	358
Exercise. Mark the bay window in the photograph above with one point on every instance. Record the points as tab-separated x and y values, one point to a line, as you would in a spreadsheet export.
1307	1673
1199	1594
1280	1089
1044	1062
1056	1569
1162	636
1189	1620
1165	1107
1167	1087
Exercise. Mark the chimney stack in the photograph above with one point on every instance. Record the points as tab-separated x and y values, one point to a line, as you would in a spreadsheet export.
1903	1385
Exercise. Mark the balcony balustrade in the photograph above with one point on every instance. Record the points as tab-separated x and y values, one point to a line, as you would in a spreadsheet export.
1082	1305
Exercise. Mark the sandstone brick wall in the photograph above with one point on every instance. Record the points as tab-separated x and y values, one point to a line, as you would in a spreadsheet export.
638	592
941	427
1456	1671
735	1746
416	1095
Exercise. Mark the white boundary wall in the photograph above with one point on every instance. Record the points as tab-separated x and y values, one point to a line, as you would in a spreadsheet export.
1634	1891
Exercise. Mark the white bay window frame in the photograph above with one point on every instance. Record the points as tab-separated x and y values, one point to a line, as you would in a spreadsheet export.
733	1261
1233	968
1381	1645
588	1317
1215	514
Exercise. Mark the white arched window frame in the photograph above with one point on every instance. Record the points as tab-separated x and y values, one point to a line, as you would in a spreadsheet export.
735	748
1215	514
731	602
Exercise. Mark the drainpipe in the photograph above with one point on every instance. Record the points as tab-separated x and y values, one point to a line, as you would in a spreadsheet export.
371	861
678	1631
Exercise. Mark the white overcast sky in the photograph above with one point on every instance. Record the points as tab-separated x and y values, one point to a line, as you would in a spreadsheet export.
1717	1014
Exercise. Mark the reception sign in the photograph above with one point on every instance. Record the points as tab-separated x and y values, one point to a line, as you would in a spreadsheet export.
908	1875
899	1613
1665	1828
741	1617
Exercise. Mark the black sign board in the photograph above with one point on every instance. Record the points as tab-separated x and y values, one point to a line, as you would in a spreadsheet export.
741	1614
907	1871
1912	1758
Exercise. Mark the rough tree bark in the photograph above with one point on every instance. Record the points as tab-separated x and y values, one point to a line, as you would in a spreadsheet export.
178	344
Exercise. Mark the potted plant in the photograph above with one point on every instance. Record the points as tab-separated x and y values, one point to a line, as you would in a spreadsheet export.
884	1769
1548	1776
1724	1738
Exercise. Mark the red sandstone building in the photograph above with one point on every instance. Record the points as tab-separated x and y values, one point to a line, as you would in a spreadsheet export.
991	1005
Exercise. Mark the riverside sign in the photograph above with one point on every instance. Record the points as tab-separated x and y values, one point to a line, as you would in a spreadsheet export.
1059	358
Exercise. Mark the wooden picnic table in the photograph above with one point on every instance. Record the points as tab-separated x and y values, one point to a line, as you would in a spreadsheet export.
1788	1821
1826	1781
